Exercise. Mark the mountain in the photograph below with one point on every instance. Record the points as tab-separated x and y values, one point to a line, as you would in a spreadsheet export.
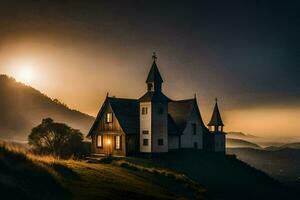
23	107
236	143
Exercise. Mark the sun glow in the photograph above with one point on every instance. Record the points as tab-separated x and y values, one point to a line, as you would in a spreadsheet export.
25	74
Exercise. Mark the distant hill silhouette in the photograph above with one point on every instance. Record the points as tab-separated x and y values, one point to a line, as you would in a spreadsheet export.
282	164
239	135
295	145
236	143
23	107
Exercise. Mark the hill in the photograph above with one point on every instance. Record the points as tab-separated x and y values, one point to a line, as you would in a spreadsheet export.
23	107
282	164
173	175
26	176
239	135
237	143
224	177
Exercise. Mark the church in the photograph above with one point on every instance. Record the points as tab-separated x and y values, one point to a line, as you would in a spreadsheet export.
154	123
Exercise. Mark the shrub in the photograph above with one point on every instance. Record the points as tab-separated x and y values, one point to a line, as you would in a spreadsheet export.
57	139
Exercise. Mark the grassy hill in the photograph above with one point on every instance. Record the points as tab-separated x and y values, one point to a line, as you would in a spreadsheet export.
23	107
26	176
187	174
237	143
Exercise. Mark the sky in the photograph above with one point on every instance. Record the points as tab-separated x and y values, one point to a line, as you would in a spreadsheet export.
246	53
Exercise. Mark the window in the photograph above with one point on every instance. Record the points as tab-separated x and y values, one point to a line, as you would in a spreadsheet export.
118	142
195	145
99	141
145	132
194	129
109	117
160	142
144	110
145	142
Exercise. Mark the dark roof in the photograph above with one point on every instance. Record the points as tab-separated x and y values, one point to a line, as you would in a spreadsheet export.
181	111
172	127
155	96
216	119
126	112
154	75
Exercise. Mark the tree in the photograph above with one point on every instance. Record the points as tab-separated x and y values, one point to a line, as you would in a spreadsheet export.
55	138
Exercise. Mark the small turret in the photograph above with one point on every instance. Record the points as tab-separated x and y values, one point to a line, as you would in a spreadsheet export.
216	123
154	79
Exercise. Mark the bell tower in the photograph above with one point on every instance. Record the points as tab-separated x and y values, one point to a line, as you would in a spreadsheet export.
154	114
218	138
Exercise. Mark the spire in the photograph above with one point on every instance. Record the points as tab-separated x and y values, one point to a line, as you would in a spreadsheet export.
154	79
216	119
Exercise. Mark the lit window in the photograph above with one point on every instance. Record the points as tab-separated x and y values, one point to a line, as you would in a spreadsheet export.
160	142
144	110
109	118
145	142
118	142
194	127
99	141
145	132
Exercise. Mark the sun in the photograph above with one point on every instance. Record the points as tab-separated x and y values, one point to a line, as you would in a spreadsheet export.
25	74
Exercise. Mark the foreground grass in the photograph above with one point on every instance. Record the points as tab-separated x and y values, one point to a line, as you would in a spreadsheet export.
27	176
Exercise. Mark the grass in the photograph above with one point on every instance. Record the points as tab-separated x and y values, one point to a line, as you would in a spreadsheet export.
47	177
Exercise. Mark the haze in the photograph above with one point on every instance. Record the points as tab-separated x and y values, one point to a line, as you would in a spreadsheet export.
246	54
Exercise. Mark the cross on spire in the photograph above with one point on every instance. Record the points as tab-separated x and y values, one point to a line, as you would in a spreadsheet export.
154	57
216	99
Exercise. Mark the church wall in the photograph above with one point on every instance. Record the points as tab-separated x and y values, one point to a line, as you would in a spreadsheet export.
159	127
188	139
145	125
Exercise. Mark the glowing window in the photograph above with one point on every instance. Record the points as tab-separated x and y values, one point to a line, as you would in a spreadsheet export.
118	142
109	118
99	141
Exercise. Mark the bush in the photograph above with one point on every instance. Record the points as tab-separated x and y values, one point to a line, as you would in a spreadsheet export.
57	139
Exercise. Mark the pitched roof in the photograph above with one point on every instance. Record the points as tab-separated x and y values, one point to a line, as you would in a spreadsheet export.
157	96
127	113
216	119
154	75
181	111
125	110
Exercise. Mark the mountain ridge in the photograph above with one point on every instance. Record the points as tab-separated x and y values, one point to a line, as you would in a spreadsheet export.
23	107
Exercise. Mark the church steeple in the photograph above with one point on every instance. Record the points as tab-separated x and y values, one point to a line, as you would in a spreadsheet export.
154	79
216	123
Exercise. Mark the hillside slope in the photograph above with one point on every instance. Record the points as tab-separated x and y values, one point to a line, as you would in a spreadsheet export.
237	143
224	177
23	107
25	176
